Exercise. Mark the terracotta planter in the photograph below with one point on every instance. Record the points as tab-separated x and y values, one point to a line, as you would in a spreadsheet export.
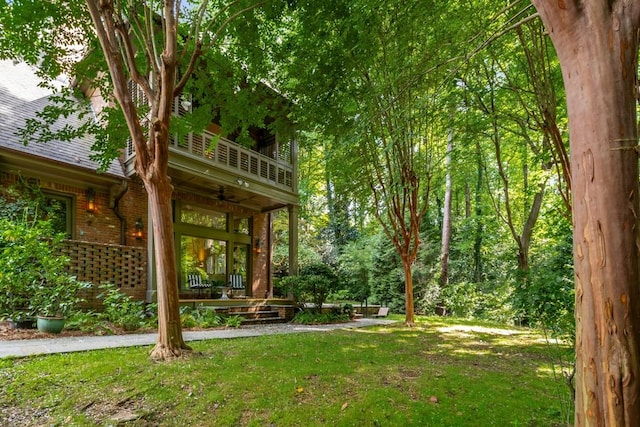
51	325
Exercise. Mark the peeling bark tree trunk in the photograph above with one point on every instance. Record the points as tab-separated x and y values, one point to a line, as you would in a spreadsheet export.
408	292
152	150
170	342
597	45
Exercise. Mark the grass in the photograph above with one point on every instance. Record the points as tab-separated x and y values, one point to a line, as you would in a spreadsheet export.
441	373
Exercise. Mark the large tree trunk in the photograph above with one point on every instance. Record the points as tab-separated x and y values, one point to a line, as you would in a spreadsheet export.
170	343
152	152
597	46
155	176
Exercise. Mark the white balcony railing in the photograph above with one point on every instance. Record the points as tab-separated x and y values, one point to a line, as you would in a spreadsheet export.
275	170
231	156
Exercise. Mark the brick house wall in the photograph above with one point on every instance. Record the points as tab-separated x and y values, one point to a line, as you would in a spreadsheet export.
105	249
133	206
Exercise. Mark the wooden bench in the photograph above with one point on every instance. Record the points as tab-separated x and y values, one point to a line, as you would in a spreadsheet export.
382	312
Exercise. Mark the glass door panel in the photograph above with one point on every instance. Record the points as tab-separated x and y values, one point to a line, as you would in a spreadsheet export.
204	257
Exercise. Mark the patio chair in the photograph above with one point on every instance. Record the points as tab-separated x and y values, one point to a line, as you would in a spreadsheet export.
235	283
195	282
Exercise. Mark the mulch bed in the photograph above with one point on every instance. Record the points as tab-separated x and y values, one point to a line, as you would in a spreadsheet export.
7	333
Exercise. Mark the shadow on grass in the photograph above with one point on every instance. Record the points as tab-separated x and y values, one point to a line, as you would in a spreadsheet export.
436	374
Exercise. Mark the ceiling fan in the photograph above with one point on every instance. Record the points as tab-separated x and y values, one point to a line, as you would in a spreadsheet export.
223	198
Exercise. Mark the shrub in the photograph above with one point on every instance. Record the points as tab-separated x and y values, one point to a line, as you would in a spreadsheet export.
200	318
314	284
233	321
311	318
151	314
33	275
461	299
208	318
88	322
120	309
33	278
347	309
288	285
188	321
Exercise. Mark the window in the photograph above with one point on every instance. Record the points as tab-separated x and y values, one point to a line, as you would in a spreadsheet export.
241	225
203	217
240	259
211	245
205	257
59	209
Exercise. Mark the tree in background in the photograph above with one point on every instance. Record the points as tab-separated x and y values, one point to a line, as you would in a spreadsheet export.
446	219
370	80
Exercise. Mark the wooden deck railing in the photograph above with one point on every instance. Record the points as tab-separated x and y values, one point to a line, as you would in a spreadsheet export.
276	170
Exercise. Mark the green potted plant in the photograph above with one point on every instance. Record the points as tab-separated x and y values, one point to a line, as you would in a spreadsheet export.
55	298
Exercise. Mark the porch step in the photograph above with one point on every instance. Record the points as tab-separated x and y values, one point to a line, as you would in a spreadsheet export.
256	314
248	313
263	320
250	309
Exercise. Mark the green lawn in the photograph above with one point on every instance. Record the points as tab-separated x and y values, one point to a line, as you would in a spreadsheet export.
441	373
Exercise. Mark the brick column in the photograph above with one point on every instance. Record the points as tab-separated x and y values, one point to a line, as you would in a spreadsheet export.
260	283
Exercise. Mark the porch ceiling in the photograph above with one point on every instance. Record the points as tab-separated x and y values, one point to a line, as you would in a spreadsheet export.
222	185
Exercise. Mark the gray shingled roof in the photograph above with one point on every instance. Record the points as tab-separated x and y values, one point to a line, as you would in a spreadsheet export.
21	98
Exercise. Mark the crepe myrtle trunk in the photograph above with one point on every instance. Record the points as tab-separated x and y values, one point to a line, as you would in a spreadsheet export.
170	342
409	318
152	149
597	45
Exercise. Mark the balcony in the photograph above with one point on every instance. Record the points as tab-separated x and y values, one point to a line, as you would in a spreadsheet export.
208	155
212	150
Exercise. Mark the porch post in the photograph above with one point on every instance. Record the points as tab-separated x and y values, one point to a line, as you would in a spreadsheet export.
293	239
269	293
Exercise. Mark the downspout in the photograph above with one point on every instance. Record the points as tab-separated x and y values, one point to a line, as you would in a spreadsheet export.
124	187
